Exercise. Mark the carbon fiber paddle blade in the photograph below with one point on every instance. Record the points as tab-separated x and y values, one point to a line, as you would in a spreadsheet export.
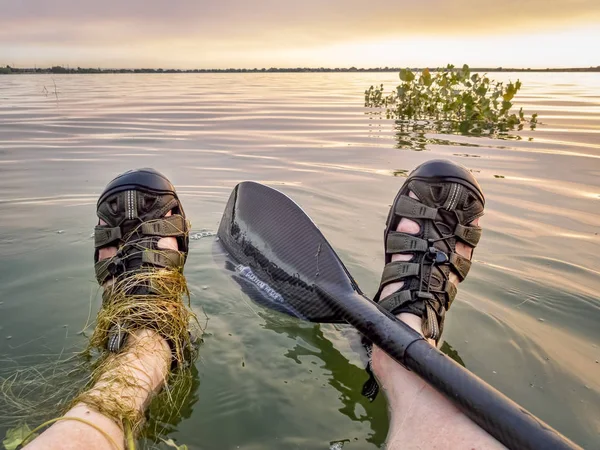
282	259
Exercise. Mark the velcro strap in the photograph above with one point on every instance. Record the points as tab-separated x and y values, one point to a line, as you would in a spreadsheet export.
414	209
405	243
396	300
169	226
163	258
460	265
451	291
104	235
468	234
101	269
398	270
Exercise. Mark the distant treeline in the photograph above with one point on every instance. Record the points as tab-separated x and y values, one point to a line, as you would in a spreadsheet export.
80	70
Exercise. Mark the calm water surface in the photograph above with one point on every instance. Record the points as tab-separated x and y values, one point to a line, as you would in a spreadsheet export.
526	320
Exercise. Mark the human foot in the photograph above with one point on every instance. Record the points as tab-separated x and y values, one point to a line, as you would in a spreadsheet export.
141	246
383	365
429	244
436	209
139	213
111	251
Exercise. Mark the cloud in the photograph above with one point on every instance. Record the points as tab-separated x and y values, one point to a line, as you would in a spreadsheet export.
233	19
215	27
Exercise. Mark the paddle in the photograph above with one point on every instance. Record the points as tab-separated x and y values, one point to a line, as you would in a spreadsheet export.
282	257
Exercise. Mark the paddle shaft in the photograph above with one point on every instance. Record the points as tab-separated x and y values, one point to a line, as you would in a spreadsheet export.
502	418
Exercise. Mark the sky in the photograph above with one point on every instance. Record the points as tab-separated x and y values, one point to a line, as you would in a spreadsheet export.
299	33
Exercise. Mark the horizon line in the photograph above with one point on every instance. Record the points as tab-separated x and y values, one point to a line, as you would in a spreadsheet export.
58	69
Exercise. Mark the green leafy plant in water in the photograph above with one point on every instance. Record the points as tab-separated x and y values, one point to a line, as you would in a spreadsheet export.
451	100
16	436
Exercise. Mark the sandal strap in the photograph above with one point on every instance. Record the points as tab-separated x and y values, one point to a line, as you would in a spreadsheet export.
405	243
396	300
104	235
117	265
163	258
106	268
468	234
413	209
174	225
451	291
460	265
398	271
171	226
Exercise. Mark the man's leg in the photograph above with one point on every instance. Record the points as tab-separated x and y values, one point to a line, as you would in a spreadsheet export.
137	374
129	376
421	417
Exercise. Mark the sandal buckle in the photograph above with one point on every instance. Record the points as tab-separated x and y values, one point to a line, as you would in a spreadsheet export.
437	256
425	295
116	267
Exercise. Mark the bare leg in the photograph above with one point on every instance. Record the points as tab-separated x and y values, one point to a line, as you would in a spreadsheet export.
142	367
420	417
145	361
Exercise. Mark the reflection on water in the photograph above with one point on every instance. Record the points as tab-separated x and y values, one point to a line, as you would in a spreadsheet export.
526	320
163	417
448	350
344	377
418	136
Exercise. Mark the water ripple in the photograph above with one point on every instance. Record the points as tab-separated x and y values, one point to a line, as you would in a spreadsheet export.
525	320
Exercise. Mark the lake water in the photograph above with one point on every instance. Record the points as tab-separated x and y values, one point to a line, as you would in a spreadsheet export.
526	320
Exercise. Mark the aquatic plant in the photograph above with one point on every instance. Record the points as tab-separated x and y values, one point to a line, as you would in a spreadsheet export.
452	100
39	393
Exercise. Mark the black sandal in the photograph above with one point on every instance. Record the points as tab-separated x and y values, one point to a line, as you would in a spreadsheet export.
449	200
134	205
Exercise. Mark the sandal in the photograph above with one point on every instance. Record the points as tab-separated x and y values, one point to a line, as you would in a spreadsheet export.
133	206
450	199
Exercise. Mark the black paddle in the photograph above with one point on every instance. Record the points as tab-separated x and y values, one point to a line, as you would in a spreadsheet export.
282	257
